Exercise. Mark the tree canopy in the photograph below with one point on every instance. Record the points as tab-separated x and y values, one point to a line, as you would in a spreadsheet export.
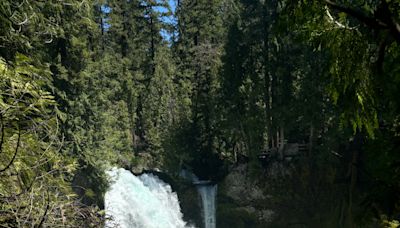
86	85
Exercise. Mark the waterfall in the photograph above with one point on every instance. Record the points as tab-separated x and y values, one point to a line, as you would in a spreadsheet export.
208	194
143	201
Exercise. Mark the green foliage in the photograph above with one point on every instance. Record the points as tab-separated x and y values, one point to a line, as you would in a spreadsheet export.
33	187
86	85
389	224
36	169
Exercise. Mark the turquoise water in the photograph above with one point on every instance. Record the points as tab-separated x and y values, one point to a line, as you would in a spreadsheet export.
208	195
143	201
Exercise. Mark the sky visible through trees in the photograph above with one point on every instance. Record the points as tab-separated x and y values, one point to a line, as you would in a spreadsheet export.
203	85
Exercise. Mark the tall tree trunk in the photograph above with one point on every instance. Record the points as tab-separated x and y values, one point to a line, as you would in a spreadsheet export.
353	182
267	82
272	142
279	143
311	139
353	172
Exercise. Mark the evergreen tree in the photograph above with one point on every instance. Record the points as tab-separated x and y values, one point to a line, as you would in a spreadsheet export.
35	183
198	49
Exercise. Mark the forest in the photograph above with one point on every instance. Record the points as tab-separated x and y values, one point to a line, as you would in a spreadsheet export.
204	85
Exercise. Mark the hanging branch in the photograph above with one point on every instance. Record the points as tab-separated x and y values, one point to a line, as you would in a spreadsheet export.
15	153
370	22
381	54
2	133
45	212
381	20
333	20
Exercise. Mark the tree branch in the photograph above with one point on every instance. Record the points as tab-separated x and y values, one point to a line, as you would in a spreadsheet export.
340	25
14	196
45	212
381	55
370	22
384	14
5	16
2	133
382	18
15	153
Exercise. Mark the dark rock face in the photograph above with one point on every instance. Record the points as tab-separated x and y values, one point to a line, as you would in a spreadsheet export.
144	162
242	202
190	205
209	166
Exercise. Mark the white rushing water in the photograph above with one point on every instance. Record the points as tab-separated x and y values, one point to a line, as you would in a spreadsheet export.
144	202
208	194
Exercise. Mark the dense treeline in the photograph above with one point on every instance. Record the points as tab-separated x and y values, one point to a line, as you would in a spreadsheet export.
90	84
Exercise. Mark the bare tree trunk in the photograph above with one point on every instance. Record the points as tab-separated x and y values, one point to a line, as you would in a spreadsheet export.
311	139
272	142
353	172
277	139
280	138
353	181
235	148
